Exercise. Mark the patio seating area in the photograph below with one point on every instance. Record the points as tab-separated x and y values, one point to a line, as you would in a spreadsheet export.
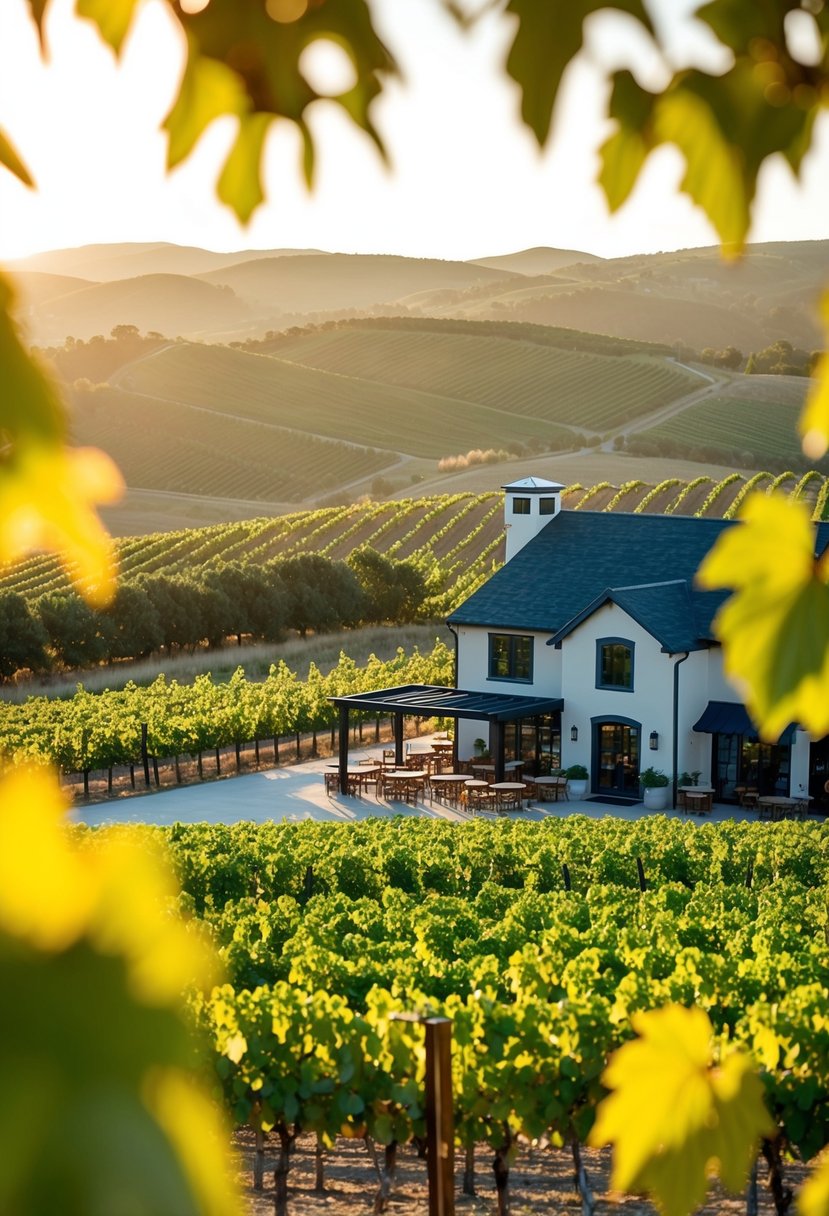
311	791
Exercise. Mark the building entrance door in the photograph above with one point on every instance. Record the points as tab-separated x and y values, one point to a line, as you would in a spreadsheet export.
616	752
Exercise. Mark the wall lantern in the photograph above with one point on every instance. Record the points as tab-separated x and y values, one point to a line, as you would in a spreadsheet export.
574	734
653	742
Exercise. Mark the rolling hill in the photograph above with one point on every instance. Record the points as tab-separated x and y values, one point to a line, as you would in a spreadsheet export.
334	282
689	296
164	303
105	263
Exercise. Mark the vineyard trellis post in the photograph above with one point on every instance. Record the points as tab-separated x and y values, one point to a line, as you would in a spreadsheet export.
440	1122
145	759
440	1130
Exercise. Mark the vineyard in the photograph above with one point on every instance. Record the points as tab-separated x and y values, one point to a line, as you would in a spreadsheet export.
457	539
541	941
722	426
592	391
276	392
91	732
167	445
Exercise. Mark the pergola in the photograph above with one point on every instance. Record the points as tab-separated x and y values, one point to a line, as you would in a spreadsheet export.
434	701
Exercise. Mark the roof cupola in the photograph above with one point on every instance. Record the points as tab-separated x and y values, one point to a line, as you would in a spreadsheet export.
529	504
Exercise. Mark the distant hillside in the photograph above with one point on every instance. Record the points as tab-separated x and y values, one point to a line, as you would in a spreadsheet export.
541	260
344	281
170	304
36	288
691	296
122	261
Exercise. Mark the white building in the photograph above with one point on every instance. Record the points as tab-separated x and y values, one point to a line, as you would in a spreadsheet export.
600	609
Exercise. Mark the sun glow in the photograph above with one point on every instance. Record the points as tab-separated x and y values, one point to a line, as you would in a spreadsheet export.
466	178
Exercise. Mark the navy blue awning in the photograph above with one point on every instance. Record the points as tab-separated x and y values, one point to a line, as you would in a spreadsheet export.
731	718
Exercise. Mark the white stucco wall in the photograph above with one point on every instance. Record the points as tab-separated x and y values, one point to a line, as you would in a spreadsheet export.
650	703
570	673
473	665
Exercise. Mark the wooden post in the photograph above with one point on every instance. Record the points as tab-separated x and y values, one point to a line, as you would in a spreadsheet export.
496	734
398	738
145	758
343	757
439	1122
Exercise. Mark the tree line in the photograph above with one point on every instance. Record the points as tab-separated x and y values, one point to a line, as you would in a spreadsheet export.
154	612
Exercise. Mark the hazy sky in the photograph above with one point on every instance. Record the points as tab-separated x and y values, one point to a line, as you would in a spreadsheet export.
467	180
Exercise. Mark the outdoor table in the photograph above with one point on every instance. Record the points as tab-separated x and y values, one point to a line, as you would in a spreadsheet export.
697	800
478	794
407	780
684	790
509	795
776	805
358	776
449	785
442	745
548	788
484	769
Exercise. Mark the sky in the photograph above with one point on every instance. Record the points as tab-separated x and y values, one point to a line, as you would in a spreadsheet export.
467	179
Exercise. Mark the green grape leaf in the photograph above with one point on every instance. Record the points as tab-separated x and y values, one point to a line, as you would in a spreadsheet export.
10	158
672	1117
714	176
47	490
246	62
814	421
208	90
737	22
548	37
814	1198
775	628
624	153
240	183
112	17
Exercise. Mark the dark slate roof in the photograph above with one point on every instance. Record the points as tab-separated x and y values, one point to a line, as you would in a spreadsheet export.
435	701
666	610
583	559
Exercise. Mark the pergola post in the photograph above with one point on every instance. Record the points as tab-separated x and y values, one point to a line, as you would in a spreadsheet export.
398	738
497	745
343	756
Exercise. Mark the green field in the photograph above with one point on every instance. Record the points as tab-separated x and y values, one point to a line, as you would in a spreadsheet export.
264	389
167	445
764	429
591	391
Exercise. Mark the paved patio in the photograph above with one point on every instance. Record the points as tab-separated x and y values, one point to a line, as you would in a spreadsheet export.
296	793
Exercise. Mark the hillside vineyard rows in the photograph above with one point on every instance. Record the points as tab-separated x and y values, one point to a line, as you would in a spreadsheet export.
539	940
457	539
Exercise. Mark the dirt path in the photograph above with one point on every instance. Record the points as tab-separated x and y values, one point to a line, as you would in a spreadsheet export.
541	1182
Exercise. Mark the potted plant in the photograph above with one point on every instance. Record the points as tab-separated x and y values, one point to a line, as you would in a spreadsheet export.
655	785
481	749
577	780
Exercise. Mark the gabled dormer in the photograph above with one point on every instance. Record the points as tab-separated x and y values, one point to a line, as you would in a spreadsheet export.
529	505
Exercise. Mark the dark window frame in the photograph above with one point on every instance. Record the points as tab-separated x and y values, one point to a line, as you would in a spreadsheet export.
522	506
601	644
512	639
547	506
